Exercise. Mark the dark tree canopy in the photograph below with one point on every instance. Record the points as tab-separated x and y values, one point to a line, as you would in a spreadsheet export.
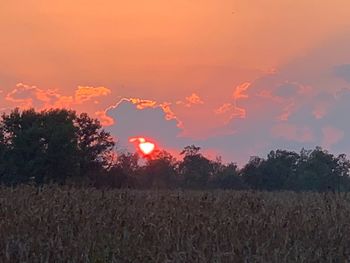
95	145
50	146
195	168
161	171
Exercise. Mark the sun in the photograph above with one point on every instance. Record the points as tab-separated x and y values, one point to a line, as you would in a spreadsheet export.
144	146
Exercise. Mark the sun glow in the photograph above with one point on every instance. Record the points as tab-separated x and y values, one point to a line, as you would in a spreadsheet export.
145	147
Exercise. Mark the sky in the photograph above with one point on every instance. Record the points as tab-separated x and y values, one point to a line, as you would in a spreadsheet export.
236	77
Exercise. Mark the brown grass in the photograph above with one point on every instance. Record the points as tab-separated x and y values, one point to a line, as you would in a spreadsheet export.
58	224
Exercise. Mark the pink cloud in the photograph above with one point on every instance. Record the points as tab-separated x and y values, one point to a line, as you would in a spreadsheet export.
231	110
141	104
194	99
104	118
240	91
86	93
26	96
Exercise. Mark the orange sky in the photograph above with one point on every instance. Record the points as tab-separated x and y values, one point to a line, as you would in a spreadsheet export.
189	57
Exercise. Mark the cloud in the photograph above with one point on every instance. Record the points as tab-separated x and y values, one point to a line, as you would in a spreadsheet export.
104	118
142	103
85	93
302	104
194	99
146	103
169	114
226	107
240	91
230	109
27	96
131	121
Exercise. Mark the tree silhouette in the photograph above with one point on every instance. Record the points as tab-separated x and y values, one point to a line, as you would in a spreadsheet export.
195	168
161	171
95	145
50	146
226	176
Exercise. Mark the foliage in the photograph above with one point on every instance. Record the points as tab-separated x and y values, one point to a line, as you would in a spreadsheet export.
195	168
94	144
50	146
315	170
226	176
161	171
122	174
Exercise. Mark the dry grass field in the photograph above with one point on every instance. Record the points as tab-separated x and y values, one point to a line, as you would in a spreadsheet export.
59	224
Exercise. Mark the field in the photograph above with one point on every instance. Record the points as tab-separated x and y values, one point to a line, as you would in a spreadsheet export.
61	224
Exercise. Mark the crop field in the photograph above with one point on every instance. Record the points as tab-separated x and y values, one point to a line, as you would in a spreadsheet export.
61	224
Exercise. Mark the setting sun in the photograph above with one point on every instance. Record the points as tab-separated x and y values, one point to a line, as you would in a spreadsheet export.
144	146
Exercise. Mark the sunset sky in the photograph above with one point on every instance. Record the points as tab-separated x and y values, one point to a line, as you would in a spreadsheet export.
236	77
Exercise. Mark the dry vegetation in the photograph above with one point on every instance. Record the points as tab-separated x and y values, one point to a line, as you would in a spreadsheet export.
58	224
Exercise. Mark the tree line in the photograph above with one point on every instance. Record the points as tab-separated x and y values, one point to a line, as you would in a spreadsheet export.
60	146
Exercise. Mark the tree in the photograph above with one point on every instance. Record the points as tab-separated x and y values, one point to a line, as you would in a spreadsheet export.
123	173
319	170
2	152
280	169
161	170
95	145
195	168
226	176
25	147
253	174
50	146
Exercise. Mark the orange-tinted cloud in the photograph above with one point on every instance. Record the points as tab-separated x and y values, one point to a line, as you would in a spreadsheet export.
194	99
26	96
231	110
240	91
142	103
85	93
226	107
169	114
104	118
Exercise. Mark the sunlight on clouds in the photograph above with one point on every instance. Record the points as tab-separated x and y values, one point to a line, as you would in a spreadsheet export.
231	110
104	118
194	99
142	103
26	96
240	91
83	94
